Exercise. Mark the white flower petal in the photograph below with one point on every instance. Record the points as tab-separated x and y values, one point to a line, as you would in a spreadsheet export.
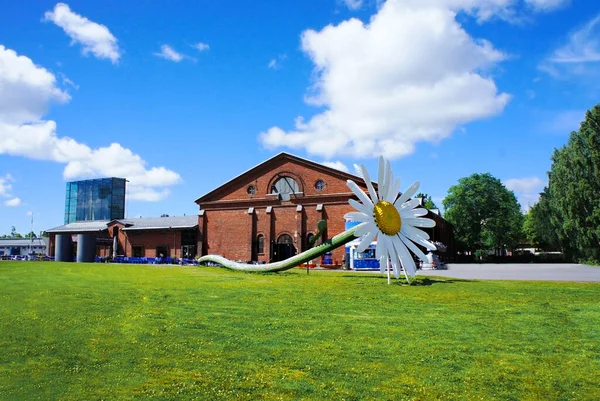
367	179
365	228
415	249
389	177
410	231
360	207
366	241
382	252
419	222
381	177
360	194
412	213
393	191
408	193
411	204
357	216
421	241
407	261
396	263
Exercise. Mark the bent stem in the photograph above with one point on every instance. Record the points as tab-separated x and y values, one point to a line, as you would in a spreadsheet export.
327	246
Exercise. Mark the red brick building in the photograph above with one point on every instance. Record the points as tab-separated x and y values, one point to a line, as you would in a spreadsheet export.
149	237
270	211
265	214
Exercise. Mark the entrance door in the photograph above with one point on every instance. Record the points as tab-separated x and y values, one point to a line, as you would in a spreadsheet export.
283	248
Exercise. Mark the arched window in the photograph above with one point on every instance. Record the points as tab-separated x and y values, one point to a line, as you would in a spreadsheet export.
320	185
285	186
285	239
260	244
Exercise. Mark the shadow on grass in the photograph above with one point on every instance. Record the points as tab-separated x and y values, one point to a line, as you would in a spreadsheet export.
417	282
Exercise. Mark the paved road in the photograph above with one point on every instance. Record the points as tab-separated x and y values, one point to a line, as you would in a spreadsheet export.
530	271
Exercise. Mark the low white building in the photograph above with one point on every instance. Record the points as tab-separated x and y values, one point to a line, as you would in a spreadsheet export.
23	246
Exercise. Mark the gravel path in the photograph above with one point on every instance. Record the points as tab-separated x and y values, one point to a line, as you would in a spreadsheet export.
529	271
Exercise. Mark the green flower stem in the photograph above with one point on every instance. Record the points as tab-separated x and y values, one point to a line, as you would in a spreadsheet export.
294	261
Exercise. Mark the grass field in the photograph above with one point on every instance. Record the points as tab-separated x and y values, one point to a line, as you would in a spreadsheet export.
87	332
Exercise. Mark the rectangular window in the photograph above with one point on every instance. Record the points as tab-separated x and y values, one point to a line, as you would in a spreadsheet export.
137	251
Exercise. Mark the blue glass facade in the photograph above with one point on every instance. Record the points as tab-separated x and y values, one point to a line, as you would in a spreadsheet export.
100	199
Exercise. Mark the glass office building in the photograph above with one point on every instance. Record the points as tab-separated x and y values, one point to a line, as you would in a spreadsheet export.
100	199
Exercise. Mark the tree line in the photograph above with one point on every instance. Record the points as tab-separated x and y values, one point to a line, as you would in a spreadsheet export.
16	235
487	217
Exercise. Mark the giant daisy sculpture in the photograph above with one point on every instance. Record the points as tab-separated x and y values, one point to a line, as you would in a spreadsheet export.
393	220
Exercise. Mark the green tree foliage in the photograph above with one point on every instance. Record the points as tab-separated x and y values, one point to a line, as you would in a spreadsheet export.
31	235
14	233
538	227
428	203
484	213
574	190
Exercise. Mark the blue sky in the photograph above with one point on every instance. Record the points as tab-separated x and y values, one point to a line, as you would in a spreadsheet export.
181	96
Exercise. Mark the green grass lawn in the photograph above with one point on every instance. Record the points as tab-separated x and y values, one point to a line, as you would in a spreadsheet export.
87	332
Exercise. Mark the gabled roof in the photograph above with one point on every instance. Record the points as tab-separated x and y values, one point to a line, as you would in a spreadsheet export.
140	223
80	227
7	242
283	156
157	223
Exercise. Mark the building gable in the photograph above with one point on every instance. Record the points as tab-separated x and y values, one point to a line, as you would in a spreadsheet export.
283	171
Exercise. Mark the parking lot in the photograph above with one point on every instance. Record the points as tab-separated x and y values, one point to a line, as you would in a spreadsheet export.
529	271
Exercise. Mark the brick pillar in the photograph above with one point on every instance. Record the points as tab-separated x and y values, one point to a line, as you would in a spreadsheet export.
251	233
270	232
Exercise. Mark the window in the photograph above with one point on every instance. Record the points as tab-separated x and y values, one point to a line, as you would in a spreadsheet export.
137	251
320	185
285	239
284	186
260	244
251	190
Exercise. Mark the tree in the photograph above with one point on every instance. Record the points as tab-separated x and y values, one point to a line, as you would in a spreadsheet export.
538	228
14	233
31	235
485	214
574	190
427	201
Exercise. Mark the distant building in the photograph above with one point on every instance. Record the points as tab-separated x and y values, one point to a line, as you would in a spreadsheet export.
169	236
99	199
23	246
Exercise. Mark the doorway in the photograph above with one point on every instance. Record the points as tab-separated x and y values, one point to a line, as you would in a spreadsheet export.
283	248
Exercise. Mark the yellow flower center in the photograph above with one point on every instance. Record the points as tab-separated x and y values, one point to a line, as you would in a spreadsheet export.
387	218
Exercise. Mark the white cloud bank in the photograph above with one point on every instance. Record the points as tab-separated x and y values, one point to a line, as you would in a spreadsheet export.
95	38
338	165
527	190
6	191
27	90
168	53
411	74
579	55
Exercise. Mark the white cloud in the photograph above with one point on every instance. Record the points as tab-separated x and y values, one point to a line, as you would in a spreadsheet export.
338	165
27	92
411	74
202	47
353	4
6	186
94	37
579	55
527	190
275	63
13	202
547	5
563	122
168	53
